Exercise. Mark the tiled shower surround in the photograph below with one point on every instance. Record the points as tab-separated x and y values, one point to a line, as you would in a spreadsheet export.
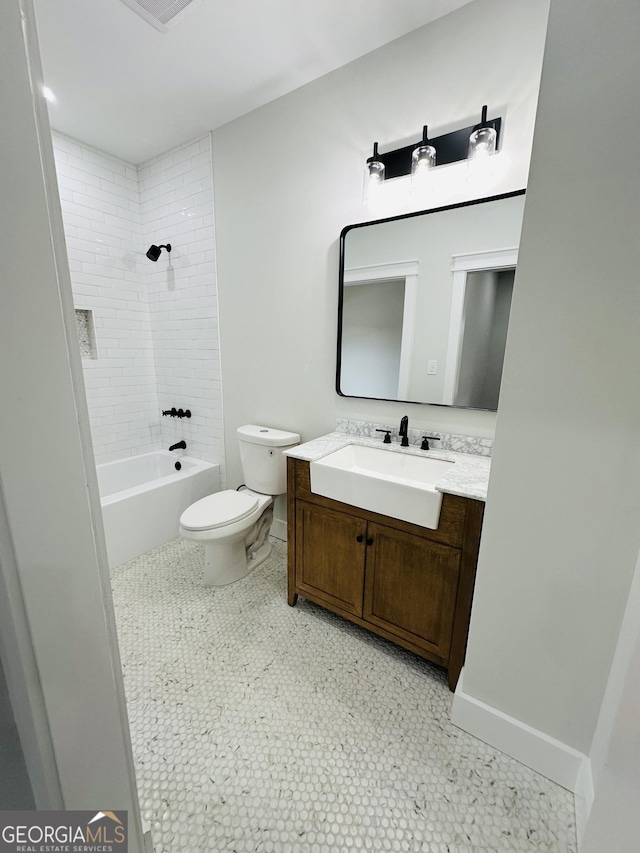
155	325
176	197
262	727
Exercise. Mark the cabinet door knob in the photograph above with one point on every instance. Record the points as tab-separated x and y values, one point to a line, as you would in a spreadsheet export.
360	538
370	540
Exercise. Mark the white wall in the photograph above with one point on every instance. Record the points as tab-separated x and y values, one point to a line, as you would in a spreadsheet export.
372	315
614	821
48	485
15	788
156	325
176	194
278	218
561	533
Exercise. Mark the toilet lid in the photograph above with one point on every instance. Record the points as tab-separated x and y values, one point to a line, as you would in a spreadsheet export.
218	510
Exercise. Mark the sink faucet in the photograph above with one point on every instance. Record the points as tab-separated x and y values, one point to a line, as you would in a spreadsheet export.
404	431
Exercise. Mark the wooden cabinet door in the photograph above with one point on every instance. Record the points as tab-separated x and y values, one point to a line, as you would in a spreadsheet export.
410	587
330	553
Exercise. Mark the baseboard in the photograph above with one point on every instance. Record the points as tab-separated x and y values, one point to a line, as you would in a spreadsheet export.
547	756
279	529
584	794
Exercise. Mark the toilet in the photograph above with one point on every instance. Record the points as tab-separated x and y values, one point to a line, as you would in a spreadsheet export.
233	525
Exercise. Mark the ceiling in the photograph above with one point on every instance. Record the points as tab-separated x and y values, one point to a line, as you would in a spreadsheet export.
132	91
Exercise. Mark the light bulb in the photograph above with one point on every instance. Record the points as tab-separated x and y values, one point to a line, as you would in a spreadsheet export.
373	176
482	147
482	143
423	159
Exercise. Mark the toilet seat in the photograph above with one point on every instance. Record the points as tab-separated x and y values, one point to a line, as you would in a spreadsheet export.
219	510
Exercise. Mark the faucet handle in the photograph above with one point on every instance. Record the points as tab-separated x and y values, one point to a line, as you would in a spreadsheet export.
387	438
426	439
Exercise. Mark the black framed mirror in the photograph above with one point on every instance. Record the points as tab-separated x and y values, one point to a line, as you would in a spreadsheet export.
424	303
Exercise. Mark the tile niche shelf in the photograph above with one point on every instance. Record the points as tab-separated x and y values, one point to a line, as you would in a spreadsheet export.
86	333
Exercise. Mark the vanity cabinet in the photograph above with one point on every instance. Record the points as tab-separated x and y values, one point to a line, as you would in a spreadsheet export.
406	583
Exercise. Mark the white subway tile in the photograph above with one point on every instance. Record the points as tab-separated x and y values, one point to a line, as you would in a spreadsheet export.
187	226
100	160
112	212
65	143
87	201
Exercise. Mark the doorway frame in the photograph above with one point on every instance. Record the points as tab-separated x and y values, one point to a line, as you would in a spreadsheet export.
461	266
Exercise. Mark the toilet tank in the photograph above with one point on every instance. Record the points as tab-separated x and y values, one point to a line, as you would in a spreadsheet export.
263	462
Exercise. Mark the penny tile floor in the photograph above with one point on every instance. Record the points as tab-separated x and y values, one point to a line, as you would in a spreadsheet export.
261	727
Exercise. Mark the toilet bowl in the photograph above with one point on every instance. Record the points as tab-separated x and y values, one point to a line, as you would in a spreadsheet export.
229	525
233	525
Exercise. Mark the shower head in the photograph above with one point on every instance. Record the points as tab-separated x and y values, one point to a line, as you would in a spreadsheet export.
154	251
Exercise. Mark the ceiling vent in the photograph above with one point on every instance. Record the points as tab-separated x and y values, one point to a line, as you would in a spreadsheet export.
163	14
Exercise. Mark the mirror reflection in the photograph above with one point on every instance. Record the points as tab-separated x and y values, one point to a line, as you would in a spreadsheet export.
424	304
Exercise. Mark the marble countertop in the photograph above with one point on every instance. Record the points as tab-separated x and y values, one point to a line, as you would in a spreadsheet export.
469	477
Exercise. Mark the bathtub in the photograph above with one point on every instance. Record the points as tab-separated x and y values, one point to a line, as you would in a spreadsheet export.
143	497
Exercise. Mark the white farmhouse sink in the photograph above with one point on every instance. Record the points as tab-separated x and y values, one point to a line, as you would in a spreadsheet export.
392	483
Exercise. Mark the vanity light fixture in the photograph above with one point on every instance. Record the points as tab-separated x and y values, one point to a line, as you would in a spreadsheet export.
475	143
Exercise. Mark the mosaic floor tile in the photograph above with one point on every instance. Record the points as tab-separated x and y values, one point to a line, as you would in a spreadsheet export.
261	727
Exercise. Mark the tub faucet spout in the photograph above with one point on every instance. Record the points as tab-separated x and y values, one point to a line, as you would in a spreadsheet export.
181	445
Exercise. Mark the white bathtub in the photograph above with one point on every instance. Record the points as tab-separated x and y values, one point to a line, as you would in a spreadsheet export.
143	497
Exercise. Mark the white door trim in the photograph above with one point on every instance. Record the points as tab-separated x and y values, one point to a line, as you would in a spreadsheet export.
461	265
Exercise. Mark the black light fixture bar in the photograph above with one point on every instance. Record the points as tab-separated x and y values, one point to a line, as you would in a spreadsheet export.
450	148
